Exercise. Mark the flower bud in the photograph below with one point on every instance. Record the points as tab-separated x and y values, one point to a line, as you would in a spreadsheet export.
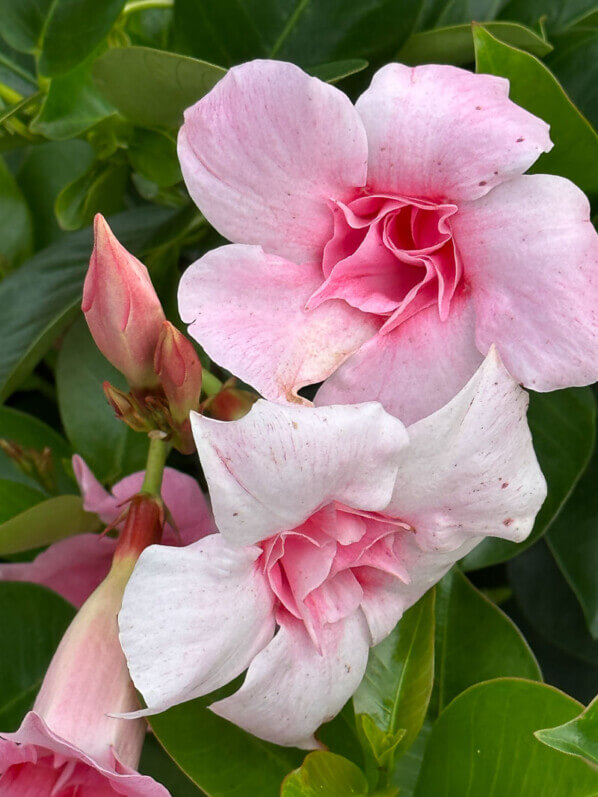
179	369
230	403
69	742
122	309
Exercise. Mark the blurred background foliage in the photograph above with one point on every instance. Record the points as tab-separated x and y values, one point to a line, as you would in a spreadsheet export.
91	97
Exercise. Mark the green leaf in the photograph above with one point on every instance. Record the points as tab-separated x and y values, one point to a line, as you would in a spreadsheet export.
337	70
554	15
305	32
563	426
475	641
573	541
439	13
454	45
407	769
72	105
73	28
44	172
156	763
16	231
533	86
42	297
382	744
397	684
483	745
100	190
44	522
577	737
549	604
324	773
15	498
110	448
218	756
30	432
574	63
153	155
34	620
21	23
152	88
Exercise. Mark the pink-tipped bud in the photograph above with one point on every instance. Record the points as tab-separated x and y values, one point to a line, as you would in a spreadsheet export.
230	403
179	369
122	309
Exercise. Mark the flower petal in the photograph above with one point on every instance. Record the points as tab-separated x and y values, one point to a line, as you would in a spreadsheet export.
471	468
265	150
246	309
95	498
192	619
290	689
414	369
72	567
530	253
439	132
272	469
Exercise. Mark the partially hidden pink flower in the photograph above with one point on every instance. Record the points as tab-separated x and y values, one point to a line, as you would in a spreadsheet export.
75	566
67	744
333	521
122	309
385	246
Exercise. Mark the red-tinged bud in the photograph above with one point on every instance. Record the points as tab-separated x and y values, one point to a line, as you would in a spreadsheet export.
143	526
122	309
230	403
179	369
33	462
127	408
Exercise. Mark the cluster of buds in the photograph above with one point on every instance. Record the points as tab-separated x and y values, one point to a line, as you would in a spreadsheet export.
37	464
127	322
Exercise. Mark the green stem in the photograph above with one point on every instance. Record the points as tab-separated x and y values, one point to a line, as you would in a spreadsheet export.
210	384
141	5
154	468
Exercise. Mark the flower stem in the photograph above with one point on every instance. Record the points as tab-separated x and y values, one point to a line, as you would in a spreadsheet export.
154	468
142	5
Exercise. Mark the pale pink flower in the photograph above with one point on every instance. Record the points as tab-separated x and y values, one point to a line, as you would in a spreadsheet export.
333	520
75	566
384	246
68	745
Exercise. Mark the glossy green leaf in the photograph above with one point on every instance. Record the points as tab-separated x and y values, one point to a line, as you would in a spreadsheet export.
34	620
577	737
324	773
72	105
110	448
549	604
15	498
440	13
573	541
42	297
44	172
475	641
44	522
156	763
407	769
382	744
73	28
563	427
16	230
397	684
305	32
21	23
100	190
151	87
153	155
454	45
554	15
532	85
337	70
29	432
483	745
574	63
218	756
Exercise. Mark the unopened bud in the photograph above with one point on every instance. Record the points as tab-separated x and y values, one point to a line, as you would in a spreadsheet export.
33	462
230	403
143	526
179	369
122	309
127	408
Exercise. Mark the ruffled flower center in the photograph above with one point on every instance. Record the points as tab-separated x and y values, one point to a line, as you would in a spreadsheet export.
391	256
317	570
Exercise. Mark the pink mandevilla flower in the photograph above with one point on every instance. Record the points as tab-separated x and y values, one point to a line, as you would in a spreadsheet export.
384	246
75	566
333	521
